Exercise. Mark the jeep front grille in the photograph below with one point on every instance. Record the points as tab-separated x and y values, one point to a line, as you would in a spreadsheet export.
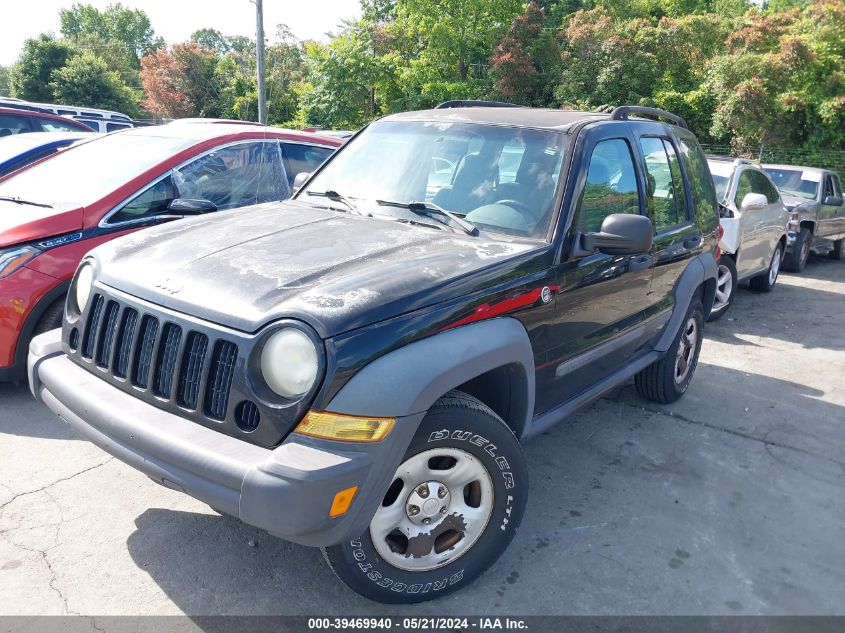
166	358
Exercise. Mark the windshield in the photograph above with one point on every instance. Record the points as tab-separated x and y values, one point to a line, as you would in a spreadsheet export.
796	182
721	172
88	172
500	179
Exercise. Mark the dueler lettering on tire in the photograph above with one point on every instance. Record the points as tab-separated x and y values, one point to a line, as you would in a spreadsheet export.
453	506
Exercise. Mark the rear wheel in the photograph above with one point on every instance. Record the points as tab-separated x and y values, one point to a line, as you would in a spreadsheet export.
796	260
766	281
725	288
455	503
838	250
667	379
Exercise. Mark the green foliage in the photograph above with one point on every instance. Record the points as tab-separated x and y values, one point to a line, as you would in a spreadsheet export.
41	56
4	81
129	27
86	80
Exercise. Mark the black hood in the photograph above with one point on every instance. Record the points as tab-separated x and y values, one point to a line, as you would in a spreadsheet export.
336	271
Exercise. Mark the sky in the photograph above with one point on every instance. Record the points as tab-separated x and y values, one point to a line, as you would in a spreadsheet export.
175	20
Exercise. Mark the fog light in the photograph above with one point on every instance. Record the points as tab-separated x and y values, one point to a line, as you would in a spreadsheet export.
342	501
344	428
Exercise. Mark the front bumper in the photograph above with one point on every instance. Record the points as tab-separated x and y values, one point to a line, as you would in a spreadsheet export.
287	491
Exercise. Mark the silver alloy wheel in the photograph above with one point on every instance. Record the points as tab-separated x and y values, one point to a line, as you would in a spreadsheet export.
724	286
686	350
774	267
804	255
438	505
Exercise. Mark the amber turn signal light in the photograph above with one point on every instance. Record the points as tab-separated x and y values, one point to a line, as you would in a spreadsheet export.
344	428
342	501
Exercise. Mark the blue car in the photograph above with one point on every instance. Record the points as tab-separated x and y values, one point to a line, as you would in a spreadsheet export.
19	150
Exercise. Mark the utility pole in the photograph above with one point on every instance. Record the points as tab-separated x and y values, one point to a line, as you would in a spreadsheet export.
259	56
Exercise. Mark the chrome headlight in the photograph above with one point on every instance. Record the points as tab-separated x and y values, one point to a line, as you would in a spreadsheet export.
290	362
82	286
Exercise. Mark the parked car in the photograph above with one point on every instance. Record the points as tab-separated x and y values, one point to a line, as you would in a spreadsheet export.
816	196
358	373
15	121
21	150
95	118
755	226
53	212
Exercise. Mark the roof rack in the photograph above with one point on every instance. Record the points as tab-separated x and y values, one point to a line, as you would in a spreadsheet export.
475	103
622	112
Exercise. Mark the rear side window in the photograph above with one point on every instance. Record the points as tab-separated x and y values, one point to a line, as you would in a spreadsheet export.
611	185
50	125
111	127
303	158
666	196
705	205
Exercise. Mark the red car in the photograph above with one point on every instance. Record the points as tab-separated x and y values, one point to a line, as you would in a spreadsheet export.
15	121
55	211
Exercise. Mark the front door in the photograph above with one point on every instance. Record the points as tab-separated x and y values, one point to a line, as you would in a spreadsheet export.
831	217
601	298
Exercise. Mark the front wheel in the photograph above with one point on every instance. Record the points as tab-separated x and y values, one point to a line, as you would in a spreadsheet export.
725	288
453	507
766	281
795	261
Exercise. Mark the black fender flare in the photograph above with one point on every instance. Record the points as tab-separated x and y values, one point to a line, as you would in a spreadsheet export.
409	380
701	269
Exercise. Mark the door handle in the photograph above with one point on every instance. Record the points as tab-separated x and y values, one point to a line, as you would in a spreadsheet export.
692	242
639	263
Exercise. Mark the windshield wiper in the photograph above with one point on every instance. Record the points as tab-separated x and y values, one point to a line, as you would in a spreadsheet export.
429	208
19	201
334	196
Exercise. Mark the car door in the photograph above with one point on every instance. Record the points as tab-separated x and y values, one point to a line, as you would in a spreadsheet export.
749	258
773	217
677	236
831	216
601	298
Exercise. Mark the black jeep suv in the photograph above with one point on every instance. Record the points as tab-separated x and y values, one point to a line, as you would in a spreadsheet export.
355	368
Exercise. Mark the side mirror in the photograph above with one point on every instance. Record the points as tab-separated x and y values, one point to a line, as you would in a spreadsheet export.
621	234
834	201
191	206
300	179
753	201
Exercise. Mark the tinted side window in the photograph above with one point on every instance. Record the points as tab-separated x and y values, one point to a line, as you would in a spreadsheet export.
151	202
700	181
111	127
13	125
611	185
666	195
763	186
828	186
744	186
299	158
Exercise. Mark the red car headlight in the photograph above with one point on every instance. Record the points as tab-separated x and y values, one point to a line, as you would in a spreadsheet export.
12	259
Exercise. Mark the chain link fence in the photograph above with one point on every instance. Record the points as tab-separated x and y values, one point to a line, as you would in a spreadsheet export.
825	158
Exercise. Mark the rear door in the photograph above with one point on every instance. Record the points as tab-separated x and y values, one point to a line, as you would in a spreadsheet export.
602	298
677	237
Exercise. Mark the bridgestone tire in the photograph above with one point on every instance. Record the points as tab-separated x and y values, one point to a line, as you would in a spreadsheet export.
456	421
657	381
796	260
838	250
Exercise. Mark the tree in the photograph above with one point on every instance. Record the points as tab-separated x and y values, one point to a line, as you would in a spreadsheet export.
523	61
41	56
130	27
212	39
86	81
182	82
4	81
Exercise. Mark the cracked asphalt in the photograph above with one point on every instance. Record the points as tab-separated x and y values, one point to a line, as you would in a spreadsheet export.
731	501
